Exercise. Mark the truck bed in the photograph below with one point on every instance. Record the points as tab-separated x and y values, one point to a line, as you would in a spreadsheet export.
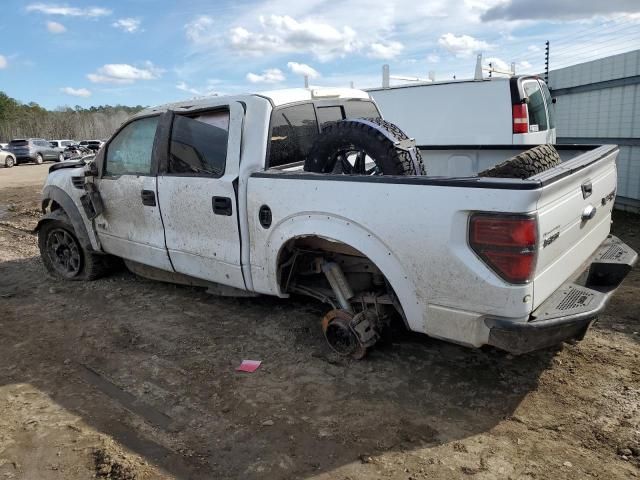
415	229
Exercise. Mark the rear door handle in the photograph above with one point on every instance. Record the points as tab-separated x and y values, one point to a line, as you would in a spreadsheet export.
148	198
222	206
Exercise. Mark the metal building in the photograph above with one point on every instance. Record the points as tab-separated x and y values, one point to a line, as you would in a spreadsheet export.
599	102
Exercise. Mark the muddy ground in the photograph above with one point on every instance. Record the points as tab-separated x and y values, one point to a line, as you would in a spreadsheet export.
126	378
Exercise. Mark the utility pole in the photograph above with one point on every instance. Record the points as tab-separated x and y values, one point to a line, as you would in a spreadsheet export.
546	61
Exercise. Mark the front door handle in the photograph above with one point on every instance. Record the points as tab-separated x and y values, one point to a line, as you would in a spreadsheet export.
222	206
148	198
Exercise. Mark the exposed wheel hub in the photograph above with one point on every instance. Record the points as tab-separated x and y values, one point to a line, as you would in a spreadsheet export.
348	335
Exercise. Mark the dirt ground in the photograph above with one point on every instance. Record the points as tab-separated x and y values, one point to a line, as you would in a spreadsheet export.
126	378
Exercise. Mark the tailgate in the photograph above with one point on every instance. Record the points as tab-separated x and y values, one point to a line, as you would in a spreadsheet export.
574	214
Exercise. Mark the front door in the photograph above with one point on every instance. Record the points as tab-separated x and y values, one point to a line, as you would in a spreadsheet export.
130	226
197	194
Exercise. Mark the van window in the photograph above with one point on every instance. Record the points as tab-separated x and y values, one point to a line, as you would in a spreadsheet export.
537	110
551	108
293	130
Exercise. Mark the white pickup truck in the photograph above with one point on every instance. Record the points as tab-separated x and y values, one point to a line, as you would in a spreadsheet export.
309	192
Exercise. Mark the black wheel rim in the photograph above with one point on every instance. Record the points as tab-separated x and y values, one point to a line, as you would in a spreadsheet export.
64	252
353	161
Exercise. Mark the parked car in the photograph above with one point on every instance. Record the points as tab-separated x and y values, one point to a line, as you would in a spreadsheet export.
4	146
61	144
7	158
92	144
293	192
34	150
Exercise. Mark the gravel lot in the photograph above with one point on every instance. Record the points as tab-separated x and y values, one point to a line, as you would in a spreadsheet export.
126	378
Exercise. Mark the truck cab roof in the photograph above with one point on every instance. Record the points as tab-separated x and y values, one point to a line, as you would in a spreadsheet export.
275	97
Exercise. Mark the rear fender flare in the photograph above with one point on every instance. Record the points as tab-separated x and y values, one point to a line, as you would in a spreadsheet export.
343	230
62	198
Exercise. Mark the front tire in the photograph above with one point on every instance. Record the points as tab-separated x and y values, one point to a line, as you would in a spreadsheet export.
39	159
9	162
60	157
64	257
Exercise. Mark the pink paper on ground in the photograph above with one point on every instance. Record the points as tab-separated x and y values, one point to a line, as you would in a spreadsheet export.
249	366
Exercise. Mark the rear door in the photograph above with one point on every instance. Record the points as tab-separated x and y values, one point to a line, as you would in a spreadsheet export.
130	226
574	214
538	119
198	196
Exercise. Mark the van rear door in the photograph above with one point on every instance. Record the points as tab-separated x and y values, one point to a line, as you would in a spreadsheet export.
537	121
574	216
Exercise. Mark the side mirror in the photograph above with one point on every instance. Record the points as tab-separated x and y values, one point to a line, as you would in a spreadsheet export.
91	169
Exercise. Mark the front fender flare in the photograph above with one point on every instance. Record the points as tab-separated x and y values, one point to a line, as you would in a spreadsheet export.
343	230
62	198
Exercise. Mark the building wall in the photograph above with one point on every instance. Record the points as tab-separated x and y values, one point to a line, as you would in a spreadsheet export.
599	102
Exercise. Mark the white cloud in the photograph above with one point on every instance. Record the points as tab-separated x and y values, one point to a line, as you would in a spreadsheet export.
76	92
199	92
3	62
284	34
462	45
129	25
122	73
433	58
386	51
270	75
303	69
525	65
55	27
533	48
49	9
201	30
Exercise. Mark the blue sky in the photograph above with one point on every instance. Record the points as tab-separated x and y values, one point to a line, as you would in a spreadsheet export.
154	51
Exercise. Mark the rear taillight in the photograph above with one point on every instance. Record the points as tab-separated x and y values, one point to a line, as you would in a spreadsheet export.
506	243
520	118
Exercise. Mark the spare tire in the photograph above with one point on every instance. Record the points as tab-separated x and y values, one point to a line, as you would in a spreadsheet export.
527	164
343	147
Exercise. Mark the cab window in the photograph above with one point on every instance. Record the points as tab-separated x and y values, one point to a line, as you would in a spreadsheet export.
536	106
130	150
199	144
293	130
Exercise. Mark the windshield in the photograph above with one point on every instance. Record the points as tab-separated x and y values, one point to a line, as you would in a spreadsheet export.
19	143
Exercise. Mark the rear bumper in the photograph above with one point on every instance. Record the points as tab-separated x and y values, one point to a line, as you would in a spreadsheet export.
570	311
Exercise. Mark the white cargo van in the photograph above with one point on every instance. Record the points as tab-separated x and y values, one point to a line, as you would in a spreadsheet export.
492	111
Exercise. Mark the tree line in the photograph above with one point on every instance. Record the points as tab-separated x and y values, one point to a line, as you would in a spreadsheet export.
20	120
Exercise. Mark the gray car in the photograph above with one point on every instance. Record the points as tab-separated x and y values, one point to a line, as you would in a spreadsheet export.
34	150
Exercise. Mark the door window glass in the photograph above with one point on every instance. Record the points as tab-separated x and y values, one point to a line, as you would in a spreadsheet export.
329	114
537	110
293	130
199	144
361	109
130	151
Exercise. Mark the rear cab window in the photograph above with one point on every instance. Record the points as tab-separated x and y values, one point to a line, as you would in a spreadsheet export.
294	128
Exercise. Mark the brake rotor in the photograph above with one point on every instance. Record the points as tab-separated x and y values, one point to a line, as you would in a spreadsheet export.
336	326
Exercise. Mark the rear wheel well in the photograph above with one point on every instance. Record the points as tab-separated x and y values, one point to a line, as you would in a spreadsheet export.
300	271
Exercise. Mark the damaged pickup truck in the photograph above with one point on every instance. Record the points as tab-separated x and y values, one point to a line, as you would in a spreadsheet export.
310	192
